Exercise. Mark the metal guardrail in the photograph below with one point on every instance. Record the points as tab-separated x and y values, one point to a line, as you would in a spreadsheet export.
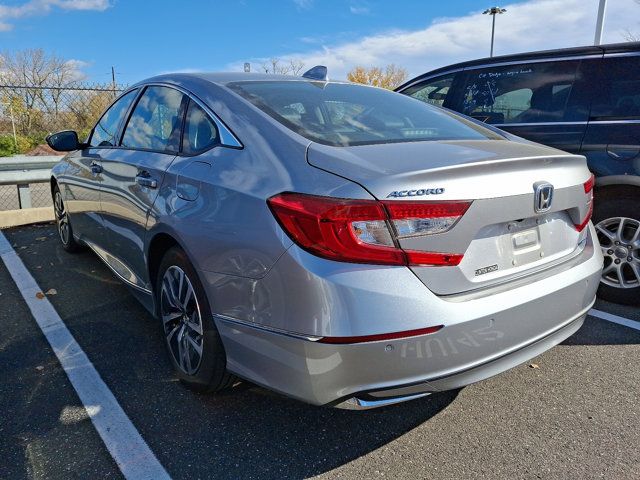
24	171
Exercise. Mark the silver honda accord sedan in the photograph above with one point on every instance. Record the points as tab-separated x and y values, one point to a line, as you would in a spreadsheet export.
341	244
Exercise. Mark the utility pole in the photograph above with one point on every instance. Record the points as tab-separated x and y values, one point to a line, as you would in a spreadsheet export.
600	22
113	80
13	126
493	11
9	104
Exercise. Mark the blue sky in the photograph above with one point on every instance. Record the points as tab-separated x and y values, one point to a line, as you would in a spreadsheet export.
142	38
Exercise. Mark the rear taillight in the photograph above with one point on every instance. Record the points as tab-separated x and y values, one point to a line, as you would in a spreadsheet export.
588	185
412	219
588	189
365	231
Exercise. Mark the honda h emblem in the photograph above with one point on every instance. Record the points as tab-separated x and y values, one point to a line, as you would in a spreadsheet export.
543	196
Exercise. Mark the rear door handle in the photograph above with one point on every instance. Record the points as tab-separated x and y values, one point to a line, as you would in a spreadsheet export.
144	180
96	168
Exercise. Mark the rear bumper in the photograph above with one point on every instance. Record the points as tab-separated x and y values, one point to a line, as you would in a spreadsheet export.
481	338
368	400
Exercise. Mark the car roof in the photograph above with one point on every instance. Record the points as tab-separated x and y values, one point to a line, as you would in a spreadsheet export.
224	78
539	55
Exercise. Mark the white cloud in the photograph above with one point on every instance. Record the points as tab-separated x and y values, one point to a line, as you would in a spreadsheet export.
76	69
527	26
43	7
303	4
359	10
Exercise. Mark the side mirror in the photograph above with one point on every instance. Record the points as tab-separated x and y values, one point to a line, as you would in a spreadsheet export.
65	141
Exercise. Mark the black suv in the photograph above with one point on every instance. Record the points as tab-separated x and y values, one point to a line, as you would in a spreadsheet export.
583	100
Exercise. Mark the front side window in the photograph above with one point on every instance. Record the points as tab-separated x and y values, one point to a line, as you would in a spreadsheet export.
105	131
200	133
527	93
618	96
342	114
155	123
434	91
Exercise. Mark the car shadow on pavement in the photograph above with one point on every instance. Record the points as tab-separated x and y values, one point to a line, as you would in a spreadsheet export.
276	437
245	432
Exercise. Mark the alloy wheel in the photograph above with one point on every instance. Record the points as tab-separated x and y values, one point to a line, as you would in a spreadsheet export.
620	241
181	319
62	219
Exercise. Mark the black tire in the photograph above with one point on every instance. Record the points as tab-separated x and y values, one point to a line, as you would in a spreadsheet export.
181	335
612	208
63	223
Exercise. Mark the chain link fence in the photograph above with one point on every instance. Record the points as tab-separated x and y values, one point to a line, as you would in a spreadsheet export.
28	113
39	196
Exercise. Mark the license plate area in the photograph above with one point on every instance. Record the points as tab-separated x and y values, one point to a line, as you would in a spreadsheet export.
528	239
526	246
510	248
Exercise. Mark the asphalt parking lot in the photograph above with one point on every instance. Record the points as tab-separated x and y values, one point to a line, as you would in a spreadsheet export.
572	412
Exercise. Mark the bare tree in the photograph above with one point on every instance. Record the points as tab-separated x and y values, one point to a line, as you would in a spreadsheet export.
45	74
629	35
280	67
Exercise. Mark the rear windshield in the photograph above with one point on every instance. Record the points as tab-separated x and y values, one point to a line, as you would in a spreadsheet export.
341	114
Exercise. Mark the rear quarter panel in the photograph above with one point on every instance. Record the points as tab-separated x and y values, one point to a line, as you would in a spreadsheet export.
215	204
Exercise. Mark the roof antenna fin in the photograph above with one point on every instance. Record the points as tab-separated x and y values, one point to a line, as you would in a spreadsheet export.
318	73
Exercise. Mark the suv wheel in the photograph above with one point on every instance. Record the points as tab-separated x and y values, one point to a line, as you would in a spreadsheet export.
617	221
191	337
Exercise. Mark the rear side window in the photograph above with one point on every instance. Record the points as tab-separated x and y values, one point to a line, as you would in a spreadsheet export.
618	95
527	93
155	123
434	91
200	133
105	131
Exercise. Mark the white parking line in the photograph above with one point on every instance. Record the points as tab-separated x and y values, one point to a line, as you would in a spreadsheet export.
133	456
610	317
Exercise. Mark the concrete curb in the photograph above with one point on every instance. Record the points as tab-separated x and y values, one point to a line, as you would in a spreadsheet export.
13	218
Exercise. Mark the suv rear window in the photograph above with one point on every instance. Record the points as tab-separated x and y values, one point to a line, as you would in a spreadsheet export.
342	114
526	93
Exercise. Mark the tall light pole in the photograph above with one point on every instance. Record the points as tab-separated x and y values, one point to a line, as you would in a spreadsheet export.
600	22
493	11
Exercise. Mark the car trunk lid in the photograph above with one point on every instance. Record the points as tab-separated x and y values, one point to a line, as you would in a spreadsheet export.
502	235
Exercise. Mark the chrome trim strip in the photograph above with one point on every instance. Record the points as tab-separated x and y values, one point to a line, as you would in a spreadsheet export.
355	403
622	54
551	124
525	124
101	255
533	60
501	64
603	122
279	331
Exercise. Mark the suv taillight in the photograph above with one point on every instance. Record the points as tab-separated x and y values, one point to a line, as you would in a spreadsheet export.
365	231
588	189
